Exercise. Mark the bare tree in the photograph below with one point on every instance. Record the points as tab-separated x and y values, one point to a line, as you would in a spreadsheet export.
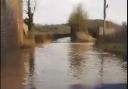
104	12
29	9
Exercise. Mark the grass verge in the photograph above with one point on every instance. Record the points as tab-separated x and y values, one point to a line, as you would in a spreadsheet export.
117	47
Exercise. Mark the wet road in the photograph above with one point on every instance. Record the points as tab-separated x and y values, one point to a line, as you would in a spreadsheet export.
70	66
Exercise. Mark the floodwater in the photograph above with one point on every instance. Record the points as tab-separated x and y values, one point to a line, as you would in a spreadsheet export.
69	66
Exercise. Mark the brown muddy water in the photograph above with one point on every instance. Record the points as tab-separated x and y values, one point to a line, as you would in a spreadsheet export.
64	66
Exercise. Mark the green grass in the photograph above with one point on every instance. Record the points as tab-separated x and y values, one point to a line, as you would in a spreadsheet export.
116	45
120	49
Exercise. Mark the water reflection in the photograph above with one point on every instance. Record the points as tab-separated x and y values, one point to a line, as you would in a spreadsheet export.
88	66
12	71
31	69
101	72
64	66
77	58
28	56
72	66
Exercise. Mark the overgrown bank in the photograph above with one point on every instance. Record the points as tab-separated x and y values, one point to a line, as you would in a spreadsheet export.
115	43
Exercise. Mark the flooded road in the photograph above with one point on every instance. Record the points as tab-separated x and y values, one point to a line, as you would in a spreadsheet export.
70	66
74	66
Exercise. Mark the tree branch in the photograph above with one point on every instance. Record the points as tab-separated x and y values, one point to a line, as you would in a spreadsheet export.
34	6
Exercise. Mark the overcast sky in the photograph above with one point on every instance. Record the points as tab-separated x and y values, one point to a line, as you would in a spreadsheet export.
58	11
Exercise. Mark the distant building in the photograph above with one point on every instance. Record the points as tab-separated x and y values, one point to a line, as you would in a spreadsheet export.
95	27
107	31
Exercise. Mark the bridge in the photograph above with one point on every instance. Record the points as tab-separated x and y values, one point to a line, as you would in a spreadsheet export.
45	36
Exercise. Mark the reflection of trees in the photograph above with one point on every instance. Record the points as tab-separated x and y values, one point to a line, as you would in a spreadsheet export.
29	67
76	64
77	61
102	69
31	70
31	63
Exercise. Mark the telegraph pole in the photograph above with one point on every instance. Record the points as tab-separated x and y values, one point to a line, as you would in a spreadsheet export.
104	12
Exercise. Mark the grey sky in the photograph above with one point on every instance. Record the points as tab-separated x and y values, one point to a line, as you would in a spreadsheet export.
58	11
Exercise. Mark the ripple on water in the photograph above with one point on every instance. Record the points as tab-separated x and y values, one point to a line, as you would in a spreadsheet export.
75	66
